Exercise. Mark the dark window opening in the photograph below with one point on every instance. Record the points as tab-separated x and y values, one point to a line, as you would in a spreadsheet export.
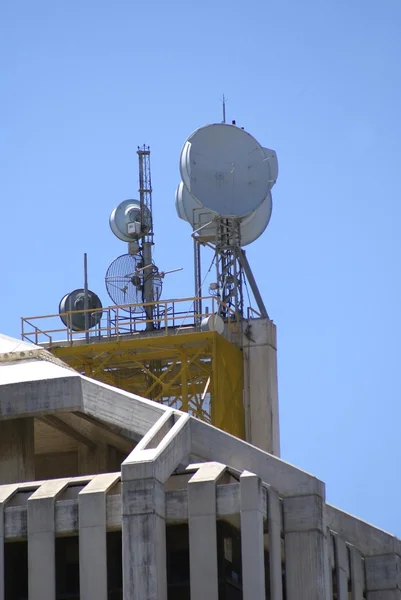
229	561
114	566
16	570
177	545
67	568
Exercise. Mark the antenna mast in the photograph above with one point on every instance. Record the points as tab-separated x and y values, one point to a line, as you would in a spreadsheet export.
146	219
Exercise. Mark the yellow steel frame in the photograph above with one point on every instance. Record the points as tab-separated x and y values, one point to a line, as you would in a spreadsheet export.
200	372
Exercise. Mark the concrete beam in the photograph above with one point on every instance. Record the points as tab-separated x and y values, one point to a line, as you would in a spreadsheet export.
66	511
97	433
209	442
60	425
119	408
121	432
160	462
38	397
368	539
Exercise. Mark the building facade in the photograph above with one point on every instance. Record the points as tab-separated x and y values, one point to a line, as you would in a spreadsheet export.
106	495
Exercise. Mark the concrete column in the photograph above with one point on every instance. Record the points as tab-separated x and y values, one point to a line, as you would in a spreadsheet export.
41	540
203	531
144	536
357	574
143	475
6	492
92	460
383	577
274	531
260	385
252	542
17	453
342	567
307	568
92	537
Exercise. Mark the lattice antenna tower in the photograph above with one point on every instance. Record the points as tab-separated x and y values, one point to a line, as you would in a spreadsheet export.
225	195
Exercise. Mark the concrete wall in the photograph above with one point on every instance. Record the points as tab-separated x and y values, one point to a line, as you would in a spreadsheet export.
260	385
17	455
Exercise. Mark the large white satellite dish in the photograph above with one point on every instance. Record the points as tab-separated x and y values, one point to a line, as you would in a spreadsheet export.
226	170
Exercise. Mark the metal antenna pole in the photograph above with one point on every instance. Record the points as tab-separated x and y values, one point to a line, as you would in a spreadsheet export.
145	198
86	297
252	282
224	108
198	282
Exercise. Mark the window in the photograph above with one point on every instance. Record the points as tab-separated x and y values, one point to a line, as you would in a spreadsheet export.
16	570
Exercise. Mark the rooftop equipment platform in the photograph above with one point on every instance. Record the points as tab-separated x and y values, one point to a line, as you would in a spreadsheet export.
188	361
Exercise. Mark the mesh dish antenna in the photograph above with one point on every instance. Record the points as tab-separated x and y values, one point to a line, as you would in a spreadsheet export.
125	221
76	301
226	170
204	222
125	280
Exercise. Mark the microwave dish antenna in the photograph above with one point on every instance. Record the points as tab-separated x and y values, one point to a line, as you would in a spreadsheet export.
226	170
75	301
225	195
205	222
129	221
125	280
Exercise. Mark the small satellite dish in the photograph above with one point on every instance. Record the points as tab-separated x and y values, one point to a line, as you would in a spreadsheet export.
127	223
252	225
76	301
124	281
226	170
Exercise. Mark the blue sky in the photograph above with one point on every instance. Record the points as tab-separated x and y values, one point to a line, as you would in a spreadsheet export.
83	83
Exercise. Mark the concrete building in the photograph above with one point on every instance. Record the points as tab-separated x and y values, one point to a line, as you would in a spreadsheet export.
106	495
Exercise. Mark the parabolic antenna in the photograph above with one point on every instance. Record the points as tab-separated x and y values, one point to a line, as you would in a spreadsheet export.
76	301
252	225
124	282
226	170
125	220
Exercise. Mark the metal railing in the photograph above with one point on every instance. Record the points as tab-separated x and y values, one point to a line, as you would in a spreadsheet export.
169	317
